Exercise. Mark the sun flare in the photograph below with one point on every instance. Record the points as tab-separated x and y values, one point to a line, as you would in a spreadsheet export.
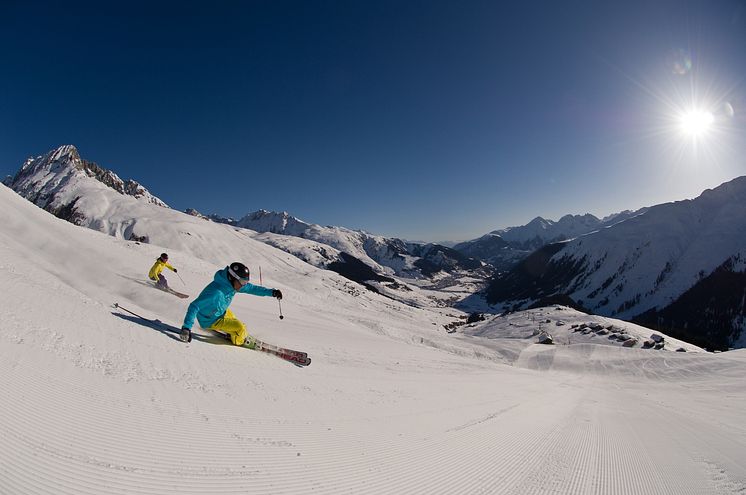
695	123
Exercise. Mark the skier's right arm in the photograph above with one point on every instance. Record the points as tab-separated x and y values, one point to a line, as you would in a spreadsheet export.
191	314
205	303
152	274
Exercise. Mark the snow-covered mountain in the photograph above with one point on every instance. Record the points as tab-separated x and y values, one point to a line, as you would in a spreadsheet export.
493	249
503	248
211	217
640	267
540	232
57	180
387	256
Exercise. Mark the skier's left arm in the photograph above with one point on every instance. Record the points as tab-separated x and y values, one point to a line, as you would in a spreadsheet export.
168	265
258	290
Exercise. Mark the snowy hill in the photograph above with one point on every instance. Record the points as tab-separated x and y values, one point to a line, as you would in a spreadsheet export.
98	401
567	326
644	264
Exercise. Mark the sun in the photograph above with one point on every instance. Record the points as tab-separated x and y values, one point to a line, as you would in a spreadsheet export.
696	123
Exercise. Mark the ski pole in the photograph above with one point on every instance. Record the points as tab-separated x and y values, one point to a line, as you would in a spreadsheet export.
182	280
158	323
117	306
280	304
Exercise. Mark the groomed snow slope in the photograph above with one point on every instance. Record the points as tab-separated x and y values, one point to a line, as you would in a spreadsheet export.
96	403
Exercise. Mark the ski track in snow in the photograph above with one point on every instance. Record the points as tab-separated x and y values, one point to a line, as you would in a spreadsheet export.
94	403
589	442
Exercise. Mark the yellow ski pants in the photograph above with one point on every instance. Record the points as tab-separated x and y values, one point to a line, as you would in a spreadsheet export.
234	327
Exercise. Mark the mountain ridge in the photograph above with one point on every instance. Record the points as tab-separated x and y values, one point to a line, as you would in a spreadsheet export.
642	264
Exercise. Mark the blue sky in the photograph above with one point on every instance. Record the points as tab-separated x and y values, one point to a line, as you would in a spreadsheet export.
430	120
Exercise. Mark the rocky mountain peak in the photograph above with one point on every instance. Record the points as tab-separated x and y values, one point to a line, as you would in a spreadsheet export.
211	217
273	221
40	179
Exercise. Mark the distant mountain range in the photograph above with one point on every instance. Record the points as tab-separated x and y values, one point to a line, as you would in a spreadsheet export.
360	256
539	232
505	247
678	267
405	259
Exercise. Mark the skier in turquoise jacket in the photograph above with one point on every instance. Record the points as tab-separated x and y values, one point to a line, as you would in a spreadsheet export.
210	308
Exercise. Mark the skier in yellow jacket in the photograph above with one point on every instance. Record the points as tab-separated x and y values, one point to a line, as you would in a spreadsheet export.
155	272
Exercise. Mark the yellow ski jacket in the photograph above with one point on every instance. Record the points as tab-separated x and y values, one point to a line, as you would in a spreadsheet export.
157	268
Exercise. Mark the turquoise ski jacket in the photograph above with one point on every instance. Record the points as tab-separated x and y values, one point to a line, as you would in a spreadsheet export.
214	299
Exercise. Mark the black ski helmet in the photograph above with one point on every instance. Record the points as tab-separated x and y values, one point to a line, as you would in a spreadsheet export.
164	256
238	271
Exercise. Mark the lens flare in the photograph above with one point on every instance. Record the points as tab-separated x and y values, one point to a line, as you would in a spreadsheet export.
680	62
728	110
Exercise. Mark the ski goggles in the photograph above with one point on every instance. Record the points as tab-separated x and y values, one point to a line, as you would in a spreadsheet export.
242	281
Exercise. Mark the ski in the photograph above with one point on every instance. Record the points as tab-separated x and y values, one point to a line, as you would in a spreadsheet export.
296	359
170	291
299	358
283	350
178	294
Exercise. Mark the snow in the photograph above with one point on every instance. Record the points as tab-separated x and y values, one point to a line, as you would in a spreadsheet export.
649	260
95	402
564	324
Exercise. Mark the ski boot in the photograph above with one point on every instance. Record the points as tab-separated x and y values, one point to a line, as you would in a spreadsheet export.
250	342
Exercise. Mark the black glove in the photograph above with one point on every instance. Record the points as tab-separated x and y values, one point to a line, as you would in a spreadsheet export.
175	270
277	293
